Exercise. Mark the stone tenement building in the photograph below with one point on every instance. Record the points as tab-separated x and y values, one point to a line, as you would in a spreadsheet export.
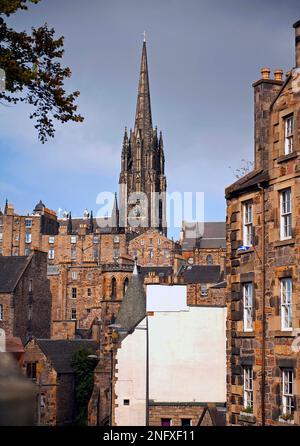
48	363
263	248
25	297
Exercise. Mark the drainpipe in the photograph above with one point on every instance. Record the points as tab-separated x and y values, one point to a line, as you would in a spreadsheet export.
263	346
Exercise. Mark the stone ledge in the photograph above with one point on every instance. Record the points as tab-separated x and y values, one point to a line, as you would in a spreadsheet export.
283	158
290	241
245	334
242	253
283	334
247	417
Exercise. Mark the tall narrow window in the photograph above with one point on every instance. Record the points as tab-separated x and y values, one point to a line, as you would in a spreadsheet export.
209	259
28	237
285	214
73	314
286	288
248	306
113	288
1	312
73	252
288	392
96	252
31	370
51	254
126	282
74	293
288	134
203	290
248	224
248	387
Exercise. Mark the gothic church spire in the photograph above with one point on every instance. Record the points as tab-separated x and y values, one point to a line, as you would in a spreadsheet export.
143	117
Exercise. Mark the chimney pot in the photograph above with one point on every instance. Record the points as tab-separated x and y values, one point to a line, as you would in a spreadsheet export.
297	43
278	75
265	72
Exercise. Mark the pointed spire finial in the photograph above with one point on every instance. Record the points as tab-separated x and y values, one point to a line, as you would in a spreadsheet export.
6	206
70	225
143	117
144	34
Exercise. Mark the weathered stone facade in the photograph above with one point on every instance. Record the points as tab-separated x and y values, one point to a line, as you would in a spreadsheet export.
25	296
263	240
48	364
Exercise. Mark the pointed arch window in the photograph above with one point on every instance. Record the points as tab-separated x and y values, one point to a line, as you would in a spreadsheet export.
209	259
113	288
125	286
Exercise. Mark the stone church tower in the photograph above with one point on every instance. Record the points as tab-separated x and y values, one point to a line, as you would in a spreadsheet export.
142	179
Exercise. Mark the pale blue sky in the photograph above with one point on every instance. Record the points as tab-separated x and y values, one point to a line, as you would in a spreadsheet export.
203	57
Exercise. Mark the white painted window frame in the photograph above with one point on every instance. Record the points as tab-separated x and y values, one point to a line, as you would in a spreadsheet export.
286	214
288	134
287	391
248	387
248	223
248	306
286	304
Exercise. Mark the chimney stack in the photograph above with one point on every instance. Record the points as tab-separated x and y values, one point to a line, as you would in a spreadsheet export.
265	73
278	75
297	42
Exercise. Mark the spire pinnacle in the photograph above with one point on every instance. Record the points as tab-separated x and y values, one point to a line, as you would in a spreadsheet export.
143	117
144	34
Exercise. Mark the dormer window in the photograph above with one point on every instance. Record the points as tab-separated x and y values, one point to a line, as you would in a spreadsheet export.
288	134
28	223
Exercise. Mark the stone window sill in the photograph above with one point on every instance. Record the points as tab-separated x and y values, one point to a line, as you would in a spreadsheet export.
283	334
290	241
246	334
242	253
247	417
290	156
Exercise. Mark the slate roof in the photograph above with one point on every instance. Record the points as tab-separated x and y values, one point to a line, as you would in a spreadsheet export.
133	307
220	285
60	352
249	181
161	271
78	222
202	274
11	270
213	236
